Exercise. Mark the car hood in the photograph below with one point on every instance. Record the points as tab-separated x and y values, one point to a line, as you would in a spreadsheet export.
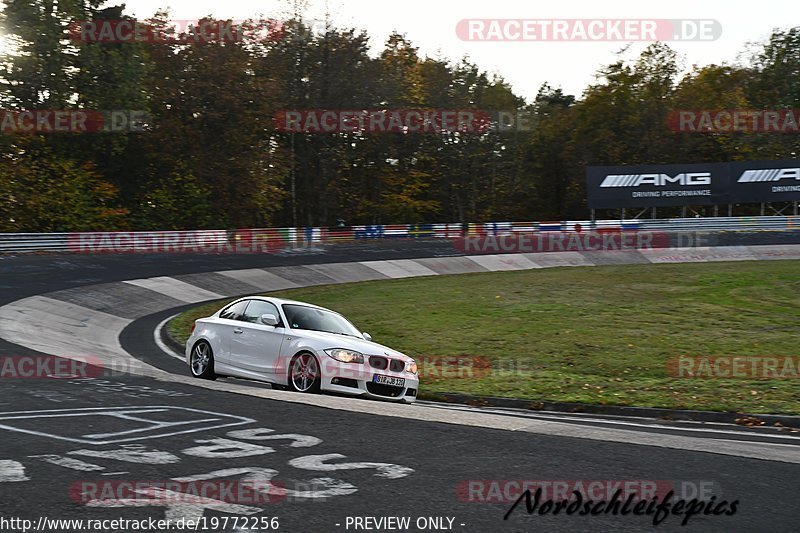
332	340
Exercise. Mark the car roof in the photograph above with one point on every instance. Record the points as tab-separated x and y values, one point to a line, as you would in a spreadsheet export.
281	301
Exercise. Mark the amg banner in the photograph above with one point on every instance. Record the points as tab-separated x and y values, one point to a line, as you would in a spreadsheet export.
658	185
765	181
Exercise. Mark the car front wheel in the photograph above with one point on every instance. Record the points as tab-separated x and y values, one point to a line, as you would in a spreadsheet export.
304	373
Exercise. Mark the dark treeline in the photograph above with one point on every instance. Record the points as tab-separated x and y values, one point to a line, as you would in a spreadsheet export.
212	157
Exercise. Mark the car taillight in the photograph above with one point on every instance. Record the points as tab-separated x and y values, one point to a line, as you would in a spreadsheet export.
194	326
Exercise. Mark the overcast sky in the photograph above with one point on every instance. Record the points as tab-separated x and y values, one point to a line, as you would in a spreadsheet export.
431	25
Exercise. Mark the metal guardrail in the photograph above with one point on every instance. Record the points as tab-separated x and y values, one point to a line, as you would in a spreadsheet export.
723	223
264	240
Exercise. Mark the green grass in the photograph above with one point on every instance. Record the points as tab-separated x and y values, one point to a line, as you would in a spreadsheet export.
594	335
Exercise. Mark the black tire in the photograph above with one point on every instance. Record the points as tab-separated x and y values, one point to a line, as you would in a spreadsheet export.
304	373
201	361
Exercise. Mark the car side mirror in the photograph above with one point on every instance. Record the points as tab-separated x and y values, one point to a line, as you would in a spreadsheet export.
366	335
270	320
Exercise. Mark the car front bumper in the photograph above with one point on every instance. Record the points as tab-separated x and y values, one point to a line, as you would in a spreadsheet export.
358	380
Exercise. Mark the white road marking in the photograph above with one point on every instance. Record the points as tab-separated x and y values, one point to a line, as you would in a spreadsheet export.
157	428
175	288
262	482
175	504
333	487
413	267
255	474
161	345
226	449
340	272
12	471
259	477
131	455
318	462
68	462
298	441
263	280
503	262
153	426
387	269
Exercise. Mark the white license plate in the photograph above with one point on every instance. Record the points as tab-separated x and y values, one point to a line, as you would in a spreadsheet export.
389	380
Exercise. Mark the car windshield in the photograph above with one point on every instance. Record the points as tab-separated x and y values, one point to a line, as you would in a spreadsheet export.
315	319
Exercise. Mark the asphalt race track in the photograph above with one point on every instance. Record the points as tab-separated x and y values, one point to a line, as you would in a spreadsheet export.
331	460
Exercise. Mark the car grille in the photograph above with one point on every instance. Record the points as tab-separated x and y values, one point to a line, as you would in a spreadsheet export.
382	363
384	390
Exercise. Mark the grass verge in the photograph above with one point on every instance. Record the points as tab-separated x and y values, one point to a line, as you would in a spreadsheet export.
592	335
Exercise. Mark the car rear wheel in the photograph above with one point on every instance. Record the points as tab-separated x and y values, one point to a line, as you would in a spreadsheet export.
202	361
304	373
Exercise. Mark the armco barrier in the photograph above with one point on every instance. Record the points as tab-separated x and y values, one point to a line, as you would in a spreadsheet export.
265	240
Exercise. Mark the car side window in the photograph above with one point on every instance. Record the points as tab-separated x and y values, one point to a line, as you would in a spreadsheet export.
235	311
256	308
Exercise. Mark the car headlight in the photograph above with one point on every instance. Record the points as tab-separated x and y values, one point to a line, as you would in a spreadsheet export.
345	356
412	367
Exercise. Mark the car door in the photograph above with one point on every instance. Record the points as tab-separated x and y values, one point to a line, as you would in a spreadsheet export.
229	319
255	346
